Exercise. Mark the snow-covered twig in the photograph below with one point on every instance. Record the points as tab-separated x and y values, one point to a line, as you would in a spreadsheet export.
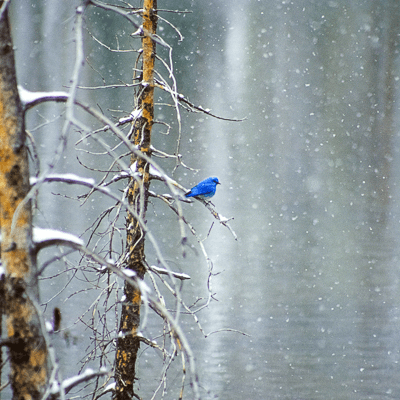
128	16
66	178
180	275
4	7
49	237
223	220
66	385
30	99
147	297
181	98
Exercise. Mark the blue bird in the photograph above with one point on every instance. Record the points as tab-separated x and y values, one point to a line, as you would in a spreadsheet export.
204	189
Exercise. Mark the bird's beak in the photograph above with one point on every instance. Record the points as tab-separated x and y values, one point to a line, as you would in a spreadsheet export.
218	183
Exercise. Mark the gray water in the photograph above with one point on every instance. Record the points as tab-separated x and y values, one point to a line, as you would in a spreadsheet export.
310	178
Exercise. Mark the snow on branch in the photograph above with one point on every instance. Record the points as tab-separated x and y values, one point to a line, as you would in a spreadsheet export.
57	390
72	179
133	116
4	7
66	178
128	16
49	237
179	275
154	302
223	220
31	99
192	107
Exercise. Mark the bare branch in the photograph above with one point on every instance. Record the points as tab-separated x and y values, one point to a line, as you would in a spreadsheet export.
56	389
31	99
128	16
180	275
132	279
4	8
50	237
192	106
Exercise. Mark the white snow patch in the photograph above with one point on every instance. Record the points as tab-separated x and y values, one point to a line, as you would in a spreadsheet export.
129	272
136	113
144	288
77	378
49	326
155	172
55	387
111	386
180	275
138	32
28	97
133	169
44	235
68	178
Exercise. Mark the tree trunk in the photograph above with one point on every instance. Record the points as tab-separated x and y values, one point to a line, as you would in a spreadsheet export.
128	343
27	348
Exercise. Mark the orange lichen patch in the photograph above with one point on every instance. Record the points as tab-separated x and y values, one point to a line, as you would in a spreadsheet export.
12	185
137	298
13	168
38	357
10	327
38	360
17	262
127	346
124	323
148	45
9	122
10	194
134	331
27	352
32	377
148	114
122	356
18	319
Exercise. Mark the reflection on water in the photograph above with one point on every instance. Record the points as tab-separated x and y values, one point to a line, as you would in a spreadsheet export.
322	326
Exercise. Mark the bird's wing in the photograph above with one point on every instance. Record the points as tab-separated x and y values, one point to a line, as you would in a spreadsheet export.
189	194
201	188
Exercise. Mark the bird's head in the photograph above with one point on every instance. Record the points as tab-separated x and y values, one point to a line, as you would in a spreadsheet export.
215	180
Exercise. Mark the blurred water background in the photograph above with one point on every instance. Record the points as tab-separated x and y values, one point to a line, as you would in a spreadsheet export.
310	177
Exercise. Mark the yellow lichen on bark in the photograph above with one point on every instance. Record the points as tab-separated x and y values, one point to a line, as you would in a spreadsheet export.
13	188
128	344
27	348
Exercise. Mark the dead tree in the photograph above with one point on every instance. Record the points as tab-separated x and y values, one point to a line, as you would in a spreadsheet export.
138	193
125	264
25	342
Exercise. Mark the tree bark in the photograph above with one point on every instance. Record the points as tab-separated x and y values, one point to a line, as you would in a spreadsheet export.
27	348
128	342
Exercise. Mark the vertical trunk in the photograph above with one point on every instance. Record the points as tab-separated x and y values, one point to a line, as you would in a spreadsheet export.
27	348
128	343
